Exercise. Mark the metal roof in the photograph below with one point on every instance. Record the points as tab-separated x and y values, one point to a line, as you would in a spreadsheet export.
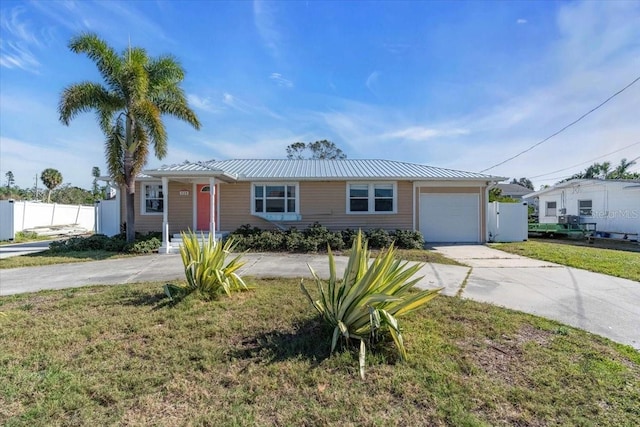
281	169
585	181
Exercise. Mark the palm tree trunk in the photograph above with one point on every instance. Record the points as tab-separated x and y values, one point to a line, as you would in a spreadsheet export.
130	183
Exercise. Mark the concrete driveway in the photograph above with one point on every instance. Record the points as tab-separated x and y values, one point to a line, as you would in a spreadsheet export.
601	304
17	249
605	305
167	268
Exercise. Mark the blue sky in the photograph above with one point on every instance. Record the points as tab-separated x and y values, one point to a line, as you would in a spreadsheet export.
460	85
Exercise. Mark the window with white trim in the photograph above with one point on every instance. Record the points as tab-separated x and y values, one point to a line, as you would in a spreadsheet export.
372	198
550	209
152	199
585	207
274	198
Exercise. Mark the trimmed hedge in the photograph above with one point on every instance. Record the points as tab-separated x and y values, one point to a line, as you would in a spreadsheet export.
143	244
317	237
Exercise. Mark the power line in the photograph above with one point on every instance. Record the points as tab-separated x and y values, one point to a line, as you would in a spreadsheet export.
566	127
588	161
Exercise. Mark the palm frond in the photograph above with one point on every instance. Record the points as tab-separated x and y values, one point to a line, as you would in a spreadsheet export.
106	59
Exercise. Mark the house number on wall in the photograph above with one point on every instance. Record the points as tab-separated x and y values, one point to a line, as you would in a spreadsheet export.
184	192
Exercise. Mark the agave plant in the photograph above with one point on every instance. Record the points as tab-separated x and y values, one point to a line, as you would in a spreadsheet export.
369	298
206	267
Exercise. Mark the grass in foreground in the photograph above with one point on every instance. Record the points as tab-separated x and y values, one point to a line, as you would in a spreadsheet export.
120	355
49	258
614	263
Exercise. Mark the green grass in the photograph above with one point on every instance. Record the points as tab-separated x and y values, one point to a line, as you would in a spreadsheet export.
49	258
612	262
121	355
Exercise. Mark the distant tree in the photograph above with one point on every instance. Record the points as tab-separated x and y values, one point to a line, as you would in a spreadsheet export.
604	171
51	178
495	195
525	182
315	150
622	170
137	91
10	179
70	195
95	187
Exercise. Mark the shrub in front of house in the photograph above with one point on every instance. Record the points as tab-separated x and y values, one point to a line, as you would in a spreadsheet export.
407	239
364	305
206	268
317	237
143	244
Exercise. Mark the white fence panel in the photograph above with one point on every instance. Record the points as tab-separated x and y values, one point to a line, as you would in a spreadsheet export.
6	220
108	217
507	222
16	216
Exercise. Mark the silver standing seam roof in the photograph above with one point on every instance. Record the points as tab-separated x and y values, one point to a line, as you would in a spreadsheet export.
287	169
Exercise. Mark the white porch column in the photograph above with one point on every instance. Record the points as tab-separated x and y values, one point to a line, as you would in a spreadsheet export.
166	245
212	207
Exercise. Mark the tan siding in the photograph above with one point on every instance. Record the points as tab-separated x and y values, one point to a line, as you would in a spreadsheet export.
180	207
145	223
180	210
235	207
323	202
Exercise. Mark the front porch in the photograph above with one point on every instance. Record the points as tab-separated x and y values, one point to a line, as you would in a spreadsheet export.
197	197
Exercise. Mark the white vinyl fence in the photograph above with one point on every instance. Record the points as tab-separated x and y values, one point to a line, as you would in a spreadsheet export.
108	217
17	216
507	222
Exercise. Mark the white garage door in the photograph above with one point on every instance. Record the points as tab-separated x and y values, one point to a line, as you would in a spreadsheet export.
450	217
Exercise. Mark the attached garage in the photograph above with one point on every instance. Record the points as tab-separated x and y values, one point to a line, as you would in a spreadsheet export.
450	217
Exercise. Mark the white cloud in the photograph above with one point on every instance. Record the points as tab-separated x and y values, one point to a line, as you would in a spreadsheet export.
17	42
418	133
201	103
27	159
521	21
265	21
247	108
372	81
281	81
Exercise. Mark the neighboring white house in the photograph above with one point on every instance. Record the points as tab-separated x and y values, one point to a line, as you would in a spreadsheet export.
613	205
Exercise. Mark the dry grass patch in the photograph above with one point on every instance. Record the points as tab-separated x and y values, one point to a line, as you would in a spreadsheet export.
122	355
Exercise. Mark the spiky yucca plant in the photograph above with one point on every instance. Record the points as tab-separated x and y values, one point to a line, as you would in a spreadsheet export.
206	267
369	298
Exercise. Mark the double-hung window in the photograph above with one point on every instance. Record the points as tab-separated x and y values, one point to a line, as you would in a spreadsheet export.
152	199
551	209
275	198
371	198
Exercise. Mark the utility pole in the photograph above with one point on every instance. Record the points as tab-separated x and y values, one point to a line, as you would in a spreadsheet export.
36	189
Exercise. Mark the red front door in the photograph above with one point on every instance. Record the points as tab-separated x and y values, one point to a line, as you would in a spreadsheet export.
203	206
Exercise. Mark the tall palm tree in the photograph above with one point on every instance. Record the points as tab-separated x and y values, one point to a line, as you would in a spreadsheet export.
137	91
51	178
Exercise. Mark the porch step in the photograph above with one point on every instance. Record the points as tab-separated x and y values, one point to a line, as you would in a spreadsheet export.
176	239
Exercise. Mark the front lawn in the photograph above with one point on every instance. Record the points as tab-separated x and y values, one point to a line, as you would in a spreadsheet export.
49	257
607	261
121	355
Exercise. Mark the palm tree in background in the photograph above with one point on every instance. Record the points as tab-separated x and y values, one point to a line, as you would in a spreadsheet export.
51	178
137	91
